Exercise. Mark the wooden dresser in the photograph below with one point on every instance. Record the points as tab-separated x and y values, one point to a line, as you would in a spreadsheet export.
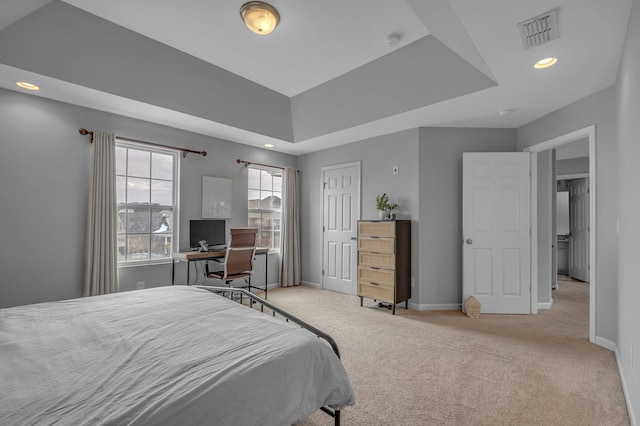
384	261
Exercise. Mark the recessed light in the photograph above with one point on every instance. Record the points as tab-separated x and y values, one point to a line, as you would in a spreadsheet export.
545	63
28	86
269	145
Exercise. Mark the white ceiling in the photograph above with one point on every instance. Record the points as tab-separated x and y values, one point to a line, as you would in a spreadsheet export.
317	42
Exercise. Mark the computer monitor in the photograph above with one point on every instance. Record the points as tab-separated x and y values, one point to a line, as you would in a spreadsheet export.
213	231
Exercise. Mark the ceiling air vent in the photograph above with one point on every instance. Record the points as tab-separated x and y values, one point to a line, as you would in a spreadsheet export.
539	30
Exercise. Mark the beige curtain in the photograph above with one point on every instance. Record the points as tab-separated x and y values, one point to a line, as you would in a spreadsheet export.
290	230
101	252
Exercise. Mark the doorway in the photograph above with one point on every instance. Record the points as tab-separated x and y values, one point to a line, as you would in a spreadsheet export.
589	133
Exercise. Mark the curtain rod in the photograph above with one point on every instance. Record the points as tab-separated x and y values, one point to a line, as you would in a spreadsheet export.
84	131
248	163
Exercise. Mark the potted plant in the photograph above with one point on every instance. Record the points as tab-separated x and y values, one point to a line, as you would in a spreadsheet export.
381	205
391	207
384	207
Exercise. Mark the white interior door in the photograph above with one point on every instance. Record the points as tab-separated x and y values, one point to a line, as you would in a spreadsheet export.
496	231
341	210
579	229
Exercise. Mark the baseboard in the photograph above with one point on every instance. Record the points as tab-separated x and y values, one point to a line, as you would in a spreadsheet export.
632	420
435	307
310	284
607	344
547	305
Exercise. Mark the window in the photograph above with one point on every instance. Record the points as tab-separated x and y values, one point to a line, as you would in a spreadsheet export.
264	202
146	194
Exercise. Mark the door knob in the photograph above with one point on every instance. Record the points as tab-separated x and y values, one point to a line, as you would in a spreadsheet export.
468	241
354	238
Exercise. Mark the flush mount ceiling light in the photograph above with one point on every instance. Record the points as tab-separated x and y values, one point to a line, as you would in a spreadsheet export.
260	17
28	86
545	63
269	145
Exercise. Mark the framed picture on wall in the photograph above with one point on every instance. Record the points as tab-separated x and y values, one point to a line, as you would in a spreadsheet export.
216	197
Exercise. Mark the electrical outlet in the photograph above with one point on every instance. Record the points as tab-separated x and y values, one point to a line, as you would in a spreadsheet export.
139	285
396	170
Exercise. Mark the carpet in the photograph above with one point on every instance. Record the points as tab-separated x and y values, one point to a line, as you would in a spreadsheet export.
442	368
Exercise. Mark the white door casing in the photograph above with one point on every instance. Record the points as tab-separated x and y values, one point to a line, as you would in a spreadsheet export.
496	231
341	211
579	229
590	133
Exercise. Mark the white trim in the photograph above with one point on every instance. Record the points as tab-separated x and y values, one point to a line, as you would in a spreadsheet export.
605	343
324	169
625	390
545	305
310	284
534	232
590	132
572	176
435	307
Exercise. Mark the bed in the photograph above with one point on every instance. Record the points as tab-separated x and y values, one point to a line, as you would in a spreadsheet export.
163	356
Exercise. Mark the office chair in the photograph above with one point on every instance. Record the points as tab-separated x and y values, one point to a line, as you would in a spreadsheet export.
238	260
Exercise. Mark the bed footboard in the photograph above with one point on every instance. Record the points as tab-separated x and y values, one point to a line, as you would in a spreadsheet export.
287	317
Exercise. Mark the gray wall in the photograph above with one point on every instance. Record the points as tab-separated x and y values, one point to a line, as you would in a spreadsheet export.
377	156
598	109
572	166
440	201
44	170
628	314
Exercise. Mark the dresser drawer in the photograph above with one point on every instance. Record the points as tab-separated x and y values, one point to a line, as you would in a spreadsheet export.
373	291
377	276
386	261
378	229
377	245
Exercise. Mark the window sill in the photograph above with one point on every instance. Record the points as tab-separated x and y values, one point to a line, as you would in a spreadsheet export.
145	263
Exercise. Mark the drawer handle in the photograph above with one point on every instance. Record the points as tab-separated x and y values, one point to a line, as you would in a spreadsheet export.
374	267
372	283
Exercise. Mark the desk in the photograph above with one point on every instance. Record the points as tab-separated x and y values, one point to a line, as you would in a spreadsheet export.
196	256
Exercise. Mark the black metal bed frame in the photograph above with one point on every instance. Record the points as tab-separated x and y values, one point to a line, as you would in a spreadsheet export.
288	318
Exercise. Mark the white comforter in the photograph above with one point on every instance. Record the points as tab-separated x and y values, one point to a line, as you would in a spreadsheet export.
161	356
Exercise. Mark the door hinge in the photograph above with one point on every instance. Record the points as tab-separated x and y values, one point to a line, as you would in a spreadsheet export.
323	229
324	185
323	272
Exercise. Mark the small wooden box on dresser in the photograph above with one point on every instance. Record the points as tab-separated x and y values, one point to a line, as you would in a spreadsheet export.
384	261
